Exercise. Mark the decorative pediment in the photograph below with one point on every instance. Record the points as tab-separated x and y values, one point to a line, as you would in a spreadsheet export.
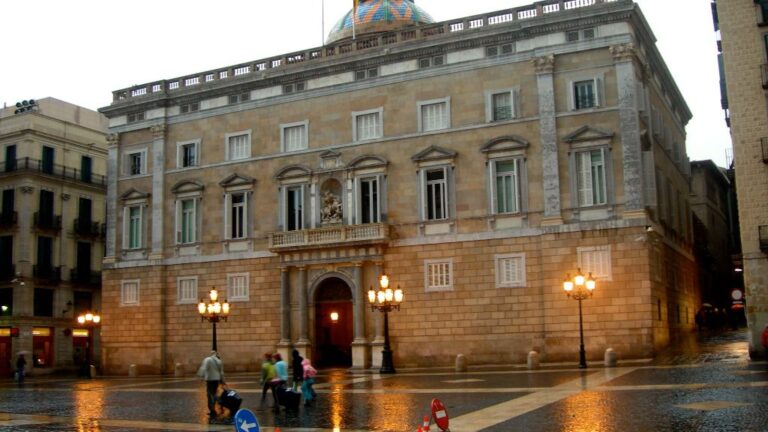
504	143
293	171
330	159
433	153
133	194
588	133
367	161
185	186
235	180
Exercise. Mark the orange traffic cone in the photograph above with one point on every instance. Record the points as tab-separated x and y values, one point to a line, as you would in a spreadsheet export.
425	426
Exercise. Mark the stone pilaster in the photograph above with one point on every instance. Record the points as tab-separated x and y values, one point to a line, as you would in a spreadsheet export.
158	189
545	67
360	344
303	307
112	173
285	307
629	124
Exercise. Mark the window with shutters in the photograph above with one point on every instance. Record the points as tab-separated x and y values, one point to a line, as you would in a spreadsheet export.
236	215
591	177
595	260
135	162
438	275
187	154
129	292
186	289
506	185
135	216
434	115
237	286
510	270
367	125
238	145
436	193
294	136
584	94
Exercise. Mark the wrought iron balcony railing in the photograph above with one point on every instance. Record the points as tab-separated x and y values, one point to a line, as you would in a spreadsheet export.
58	171
9	219
85	277
47	273
86	228
47	222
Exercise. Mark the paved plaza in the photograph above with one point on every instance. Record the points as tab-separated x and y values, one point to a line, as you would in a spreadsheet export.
701	384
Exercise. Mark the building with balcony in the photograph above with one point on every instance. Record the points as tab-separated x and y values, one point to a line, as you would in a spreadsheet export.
475	161
52	229
744	66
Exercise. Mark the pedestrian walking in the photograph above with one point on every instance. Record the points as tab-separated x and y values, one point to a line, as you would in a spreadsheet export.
21	365
764	340
308	382
281	368
212	372
297	369
268	374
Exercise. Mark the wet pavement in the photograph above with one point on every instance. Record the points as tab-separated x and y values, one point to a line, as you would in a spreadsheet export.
702	383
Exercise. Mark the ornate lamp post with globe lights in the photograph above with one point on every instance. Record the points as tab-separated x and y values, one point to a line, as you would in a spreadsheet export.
580	288
89	321
385	300
213	311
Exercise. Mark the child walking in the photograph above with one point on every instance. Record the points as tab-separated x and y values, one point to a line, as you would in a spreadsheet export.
309	381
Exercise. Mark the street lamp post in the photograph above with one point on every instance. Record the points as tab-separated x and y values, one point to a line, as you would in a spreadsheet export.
90	321
580	288
385	300
213	311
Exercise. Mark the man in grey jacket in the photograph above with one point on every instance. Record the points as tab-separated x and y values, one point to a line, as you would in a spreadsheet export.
212	371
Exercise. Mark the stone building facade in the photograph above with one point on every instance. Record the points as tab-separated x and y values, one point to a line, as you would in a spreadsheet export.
52	229
743	59
475	161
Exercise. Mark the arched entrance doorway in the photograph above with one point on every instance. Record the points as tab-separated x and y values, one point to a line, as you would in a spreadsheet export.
333	338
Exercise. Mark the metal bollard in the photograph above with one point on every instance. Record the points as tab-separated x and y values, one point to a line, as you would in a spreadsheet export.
533	360
93	371
178	370
461	363
133	371
610	358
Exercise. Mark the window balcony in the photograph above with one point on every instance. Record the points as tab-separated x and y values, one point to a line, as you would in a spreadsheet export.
86	228
53	170
764	149
86	277
8	219
47	222
47	273
763	236
329	236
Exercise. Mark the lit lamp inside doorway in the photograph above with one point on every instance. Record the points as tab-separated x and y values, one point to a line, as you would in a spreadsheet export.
385	300
334	317
580	288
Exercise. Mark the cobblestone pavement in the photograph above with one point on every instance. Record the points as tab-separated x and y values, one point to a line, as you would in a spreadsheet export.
700	384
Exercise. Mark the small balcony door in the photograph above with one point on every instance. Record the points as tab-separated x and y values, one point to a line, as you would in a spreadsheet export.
47	164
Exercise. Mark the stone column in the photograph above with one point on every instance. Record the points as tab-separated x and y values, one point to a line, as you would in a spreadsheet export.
303	308
158	190
629	123
112	173
359	297
285	307
545	67
378	341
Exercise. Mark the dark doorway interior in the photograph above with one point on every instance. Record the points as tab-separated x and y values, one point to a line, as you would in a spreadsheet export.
333	340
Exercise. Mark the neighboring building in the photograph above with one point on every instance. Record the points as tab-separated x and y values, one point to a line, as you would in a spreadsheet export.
744	63
713	202
476	161
52	220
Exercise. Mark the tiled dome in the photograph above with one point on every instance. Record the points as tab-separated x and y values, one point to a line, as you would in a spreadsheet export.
379	15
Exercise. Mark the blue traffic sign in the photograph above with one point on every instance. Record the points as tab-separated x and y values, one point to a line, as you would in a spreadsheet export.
245	421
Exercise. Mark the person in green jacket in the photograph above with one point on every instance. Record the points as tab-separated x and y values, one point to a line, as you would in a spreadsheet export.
268	373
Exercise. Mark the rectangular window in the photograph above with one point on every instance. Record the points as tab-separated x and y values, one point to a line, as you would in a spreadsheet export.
86	169
135	117
507	186
242	97
294	208
238	147
187	289
134	227
43	303
129	292
368	126
501	106
10	158
238	214
135	162
190	107
48	157
510	270
595	260
584	95
438	275
237	287
591	182
434	116
294	137
188	224
366	74
369	200
431	61
187	154
436	194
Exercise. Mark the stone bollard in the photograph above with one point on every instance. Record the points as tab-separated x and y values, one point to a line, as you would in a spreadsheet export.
610	358
93	371
178	370
533	360
461	363
133	371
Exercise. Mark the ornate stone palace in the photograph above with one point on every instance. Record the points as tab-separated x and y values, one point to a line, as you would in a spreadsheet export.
475	161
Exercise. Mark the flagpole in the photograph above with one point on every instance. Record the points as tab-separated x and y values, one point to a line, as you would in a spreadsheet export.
322	24
354	17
